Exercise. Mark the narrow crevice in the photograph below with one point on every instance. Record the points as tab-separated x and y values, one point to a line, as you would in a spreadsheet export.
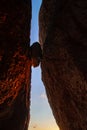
41	114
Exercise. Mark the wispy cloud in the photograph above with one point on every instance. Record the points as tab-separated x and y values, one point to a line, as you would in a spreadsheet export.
43	96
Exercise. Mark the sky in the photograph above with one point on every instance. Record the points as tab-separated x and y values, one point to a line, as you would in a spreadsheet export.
40	111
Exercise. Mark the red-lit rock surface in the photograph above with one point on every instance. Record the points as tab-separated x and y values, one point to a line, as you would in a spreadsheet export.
63	36
15	68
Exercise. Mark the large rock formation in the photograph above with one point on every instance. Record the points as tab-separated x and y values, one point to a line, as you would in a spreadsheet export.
15	68
63	36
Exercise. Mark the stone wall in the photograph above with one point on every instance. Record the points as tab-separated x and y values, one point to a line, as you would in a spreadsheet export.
63	37
15	66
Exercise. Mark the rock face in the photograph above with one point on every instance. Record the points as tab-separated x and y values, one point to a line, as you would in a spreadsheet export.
63	36
15	67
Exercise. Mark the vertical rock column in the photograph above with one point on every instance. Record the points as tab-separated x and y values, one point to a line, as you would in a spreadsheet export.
63	37
15	67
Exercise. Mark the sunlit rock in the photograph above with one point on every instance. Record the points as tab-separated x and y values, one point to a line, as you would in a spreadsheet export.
15	66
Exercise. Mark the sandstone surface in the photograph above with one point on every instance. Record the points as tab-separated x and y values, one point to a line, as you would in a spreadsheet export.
15	67
63	37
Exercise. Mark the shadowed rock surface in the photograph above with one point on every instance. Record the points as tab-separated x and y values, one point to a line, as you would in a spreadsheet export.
63	37
15	68
36	54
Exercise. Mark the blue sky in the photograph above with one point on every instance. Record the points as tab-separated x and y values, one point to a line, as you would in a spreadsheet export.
41	114
34	23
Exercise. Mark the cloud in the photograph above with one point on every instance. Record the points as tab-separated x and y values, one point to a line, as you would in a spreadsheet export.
43	96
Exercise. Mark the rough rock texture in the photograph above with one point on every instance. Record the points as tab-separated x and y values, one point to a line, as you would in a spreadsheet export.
15	67
63	36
